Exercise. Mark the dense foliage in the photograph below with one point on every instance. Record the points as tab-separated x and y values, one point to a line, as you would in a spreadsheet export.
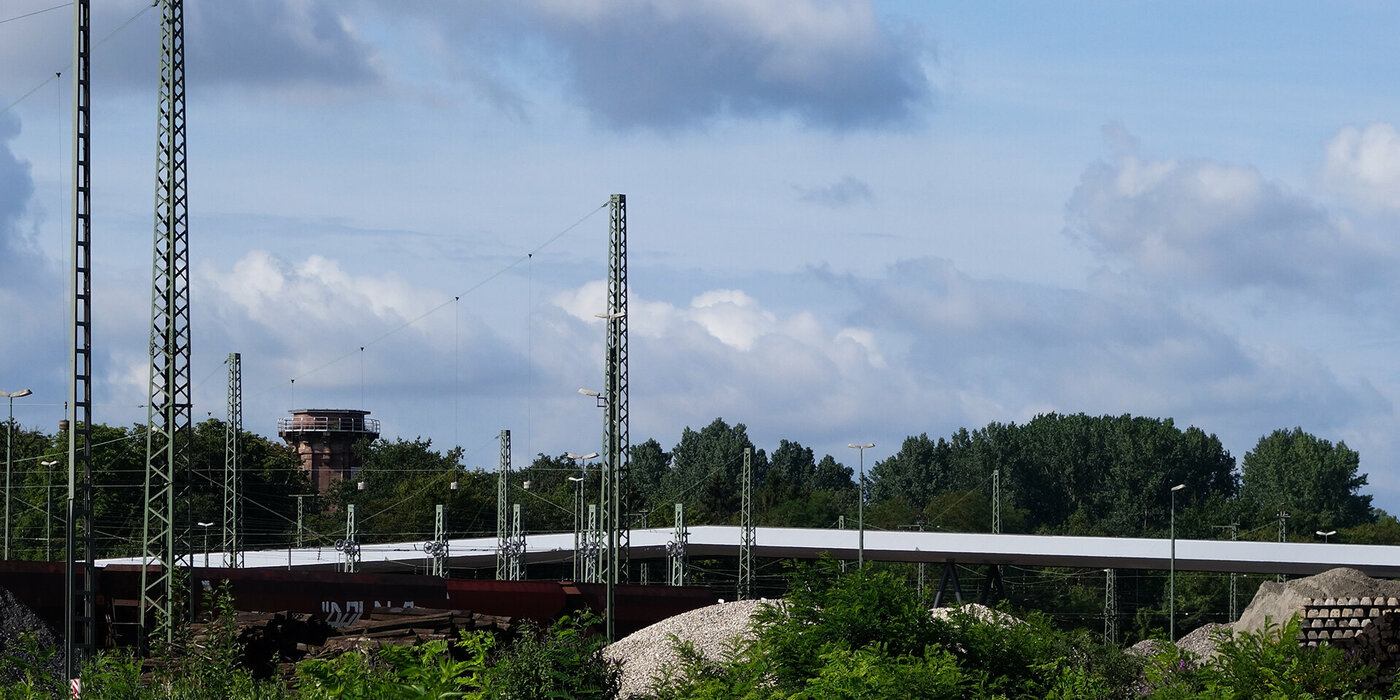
270	471
867	635
563	661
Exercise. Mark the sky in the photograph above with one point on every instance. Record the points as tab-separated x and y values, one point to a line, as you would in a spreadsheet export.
848	220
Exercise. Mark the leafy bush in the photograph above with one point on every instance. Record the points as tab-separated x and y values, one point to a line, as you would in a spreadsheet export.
564	661
1264	664
866	634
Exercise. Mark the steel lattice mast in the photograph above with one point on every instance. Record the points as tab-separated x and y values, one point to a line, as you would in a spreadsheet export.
503	538
233	545
168	409
79	598
746	528
615	436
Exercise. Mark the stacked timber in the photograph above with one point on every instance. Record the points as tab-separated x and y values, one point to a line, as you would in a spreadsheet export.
277	641
1367	627
405	627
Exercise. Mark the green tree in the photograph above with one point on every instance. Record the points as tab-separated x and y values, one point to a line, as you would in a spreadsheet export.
1316	481
705	467
650	467
404	481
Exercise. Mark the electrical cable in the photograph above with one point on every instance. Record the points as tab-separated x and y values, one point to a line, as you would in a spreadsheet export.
65	68
405	324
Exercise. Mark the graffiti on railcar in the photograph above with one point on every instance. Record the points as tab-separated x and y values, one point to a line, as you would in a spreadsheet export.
338	616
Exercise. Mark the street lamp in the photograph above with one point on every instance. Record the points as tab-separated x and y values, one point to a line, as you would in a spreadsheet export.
206	542
1326	535
579	500
48	507
860	503
597	397
9	435
1171	605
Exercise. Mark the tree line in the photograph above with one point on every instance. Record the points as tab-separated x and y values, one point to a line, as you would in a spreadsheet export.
1058	474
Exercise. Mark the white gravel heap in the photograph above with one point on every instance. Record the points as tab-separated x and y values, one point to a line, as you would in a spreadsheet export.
1203	640
645	652
978	612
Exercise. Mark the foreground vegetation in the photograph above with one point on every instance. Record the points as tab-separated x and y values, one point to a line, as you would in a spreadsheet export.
862	634
561	661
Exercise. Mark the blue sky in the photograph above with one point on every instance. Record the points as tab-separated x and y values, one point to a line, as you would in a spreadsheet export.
849	221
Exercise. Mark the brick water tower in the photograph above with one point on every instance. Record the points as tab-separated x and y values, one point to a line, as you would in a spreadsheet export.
325	439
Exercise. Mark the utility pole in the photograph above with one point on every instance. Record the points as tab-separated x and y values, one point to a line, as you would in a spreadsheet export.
79	592
233	514
438	550
615	438
746	528
349	546
517	544
996	501
921	562
841	525
1283	517
592	543
169	404
1234	529
503	510
1110	607
676	549
301	517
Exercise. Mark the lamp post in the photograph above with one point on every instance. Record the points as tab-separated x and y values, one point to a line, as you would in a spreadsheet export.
579	500
9	435
48	507
1326	535
860	503
206	542
1171	603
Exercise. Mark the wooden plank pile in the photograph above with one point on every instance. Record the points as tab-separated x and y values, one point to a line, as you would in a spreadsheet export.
1369	627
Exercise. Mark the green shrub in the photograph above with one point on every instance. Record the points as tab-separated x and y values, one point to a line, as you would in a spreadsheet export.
1265	664
563	661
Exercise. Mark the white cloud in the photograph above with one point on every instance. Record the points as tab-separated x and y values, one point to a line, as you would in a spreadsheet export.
273	292
1364	164
1205	225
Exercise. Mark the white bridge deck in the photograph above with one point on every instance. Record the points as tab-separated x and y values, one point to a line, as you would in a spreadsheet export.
903	546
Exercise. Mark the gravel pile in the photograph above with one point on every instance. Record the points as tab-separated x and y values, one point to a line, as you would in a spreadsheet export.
1148	647
16	620
1202	640
979	612
645	652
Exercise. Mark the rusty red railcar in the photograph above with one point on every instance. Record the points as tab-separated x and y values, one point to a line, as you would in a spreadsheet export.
342	598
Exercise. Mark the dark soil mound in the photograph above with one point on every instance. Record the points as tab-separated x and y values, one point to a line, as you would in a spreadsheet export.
27	645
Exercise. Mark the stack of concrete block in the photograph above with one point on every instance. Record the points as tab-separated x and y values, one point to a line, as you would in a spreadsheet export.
1367	627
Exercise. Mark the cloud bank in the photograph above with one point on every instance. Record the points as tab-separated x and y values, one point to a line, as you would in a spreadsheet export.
663	65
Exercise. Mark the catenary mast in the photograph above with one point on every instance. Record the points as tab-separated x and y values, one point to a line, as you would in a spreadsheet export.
168	408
